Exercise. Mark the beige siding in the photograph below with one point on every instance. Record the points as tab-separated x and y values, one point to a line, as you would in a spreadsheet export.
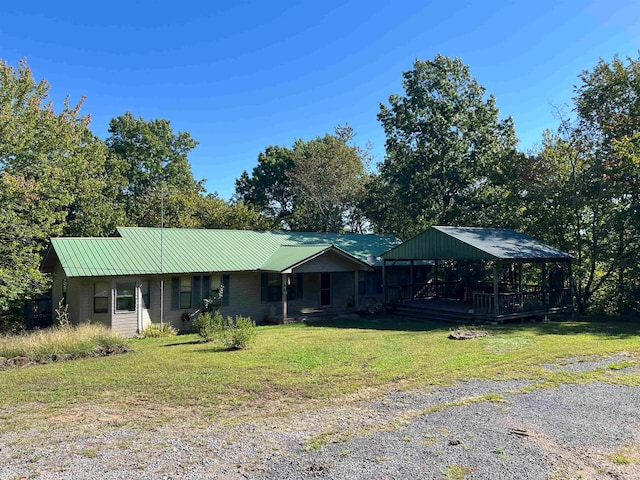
244	296
329	262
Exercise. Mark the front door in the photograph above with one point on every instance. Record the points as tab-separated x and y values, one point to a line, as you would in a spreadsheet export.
325	289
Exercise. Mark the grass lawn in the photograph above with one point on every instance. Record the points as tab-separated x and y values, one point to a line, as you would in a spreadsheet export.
299	366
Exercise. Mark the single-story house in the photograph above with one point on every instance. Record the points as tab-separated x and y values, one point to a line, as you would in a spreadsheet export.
144	275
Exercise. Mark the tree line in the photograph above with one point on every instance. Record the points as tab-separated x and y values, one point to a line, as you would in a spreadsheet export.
450	160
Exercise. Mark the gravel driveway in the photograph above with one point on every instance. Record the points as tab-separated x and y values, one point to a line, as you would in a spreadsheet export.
473	430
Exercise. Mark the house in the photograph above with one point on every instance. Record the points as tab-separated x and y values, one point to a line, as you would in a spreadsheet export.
477	274
143	275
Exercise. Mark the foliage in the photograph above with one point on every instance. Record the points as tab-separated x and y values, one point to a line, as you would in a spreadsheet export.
76	341
268	189
55	178
214	212
233	334
62	314
26	222
327	179
157	330
155	164
443	136
314	186
237	334
208	325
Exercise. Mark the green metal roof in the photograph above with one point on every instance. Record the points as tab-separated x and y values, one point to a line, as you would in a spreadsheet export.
137	250
290	256
471	243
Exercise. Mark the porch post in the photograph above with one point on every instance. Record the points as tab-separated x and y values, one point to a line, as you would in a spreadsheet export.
573	307
544	286
356	290
496	293
384	280
285	278
436	280
411	290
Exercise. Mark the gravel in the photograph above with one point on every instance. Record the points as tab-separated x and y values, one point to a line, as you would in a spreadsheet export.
472	430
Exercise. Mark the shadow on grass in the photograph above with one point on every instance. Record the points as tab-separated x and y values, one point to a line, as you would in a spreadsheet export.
605	327
190	342
614	328
378	323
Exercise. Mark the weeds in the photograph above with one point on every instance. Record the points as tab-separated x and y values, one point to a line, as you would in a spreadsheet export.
73	341
157	330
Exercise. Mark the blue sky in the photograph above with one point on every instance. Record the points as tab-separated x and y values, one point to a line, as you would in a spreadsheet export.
240	76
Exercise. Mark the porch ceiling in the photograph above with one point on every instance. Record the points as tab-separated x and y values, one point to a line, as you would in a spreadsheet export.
471	243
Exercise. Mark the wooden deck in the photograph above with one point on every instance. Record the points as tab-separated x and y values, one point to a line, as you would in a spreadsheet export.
511	306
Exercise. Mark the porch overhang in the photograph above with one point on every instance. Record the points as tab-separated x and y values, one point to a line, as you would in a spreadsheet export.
288	258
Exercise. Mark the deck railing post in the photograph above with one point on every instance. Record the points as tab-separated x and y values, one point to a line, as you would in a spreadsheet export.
496	293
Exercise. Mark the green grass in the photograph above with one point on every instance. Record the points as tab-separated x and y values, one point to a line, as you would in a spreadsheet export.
298	366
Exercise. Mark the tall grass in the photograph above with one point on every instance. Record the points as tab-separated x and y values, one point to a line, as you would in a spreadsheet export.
75	341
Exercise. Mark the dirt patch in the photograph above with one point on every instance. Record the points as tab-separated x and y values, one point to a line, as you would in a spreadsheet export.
20	361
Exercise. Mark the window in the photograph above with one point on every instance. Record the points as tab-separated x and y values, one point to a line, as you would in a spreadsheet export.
185	292
226	281
272	287
125	297
188	292
294	289
101	297
146	294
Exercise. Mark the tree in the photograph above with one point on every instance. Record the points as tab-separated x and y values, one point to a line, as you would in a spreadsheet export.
58	151
268	189
314	186
56	178
27	220
155	164
214	212
443	136
604	138
327	180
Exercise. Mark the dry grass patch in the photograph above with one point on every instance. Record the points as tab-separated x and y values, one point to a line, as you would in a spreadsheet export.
61	343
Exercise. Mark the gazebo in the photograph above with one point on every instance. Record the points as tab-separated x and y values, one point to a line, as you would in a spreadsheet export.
488	274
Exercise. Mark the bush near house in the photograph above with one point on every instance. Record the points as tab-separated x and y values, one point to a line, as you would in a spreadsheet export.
157	330
233	334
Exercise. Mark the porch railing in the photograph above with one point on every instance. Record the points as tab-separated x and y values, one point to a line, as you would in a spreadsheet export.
519	304
416	291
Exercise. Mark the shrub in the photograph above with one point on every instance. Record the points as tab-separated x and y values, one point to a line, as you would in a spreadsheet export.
157	330
208	325
237	334
233	334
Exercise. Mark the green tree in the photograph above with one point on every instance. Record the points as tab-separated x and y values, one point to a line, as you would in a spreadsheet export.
443	137
56	178
155	164
58	151
27	220
268	189
314	186
214	212
327	180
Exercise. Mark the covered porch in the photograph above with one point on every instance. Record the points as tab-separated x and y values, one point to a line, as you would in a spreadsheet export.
330	277
483	274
